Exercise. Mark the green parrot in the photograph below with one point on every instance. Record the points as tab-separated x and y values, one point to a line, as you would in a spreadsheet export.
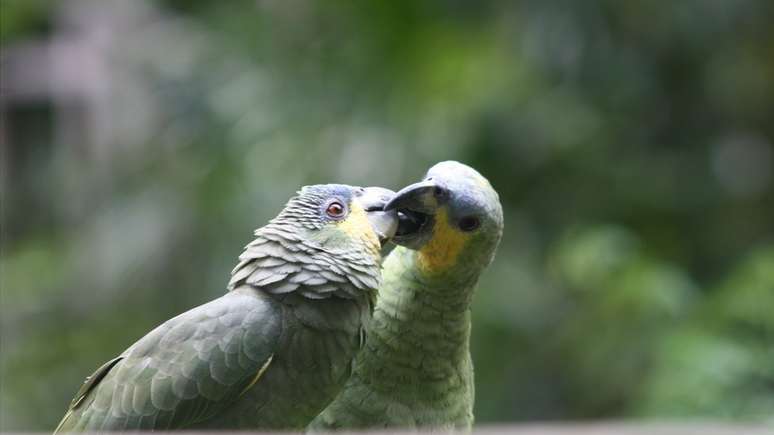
415	369
274	350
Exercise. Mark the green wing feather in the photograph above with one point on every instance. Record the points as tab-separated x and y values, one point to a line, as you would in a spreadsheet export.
183	372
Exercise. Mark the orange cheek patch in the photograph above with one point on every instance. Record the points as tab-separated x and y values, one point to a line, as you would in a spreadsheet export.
357	226
441	252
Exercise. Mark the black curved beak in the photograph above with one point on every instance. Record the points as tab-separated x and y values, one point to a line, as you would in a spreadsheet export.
416	205
384	222
422	197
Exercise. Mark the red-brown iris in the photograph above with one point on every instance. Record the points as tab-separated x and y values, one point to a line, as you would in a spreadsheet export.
335	210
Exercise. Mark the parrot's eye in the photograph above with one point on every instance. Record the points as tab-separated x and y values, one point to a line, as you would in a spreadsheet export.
469	223
335	209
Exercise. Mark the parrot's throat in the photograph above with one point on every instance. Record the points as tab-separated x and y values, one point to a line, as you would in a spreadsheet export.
425	317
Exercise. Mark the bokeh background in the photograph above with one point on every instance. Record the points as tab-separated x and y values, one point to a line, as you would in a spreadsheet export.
630	142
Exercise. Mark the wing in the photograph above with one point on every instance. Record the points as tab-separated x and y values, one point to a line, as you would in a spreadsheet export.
184	371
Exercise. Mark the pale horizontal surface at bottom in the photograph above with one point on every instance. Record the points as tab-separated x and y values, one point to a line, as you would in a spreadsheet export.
580	428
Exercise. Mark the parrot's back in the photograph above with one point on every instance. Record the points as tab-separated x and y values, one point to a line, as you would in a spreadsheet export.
229	364
185	370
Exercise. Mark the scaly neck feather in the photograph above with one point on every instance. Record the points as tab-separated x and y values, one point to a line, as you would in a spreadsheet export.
421	321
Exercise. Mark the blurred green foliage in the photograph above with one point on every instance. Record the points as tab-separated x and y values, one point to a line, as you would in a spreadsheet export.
631	143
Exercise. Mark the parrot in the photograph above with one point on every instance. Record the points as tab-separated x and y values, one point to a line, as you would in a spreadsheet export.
276	348
415	370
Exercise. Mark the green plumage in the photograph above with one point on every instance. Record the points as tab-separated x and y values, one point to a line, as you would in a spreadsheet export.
185	371
269	354
415	369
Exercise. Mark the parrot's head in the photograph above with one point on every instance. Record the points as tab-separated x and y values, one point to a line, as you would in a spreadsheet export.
326	241
340	218
452	217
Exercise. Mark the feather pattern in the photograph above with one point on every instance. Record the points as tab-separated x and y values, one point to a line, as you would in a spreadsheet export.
181	372
280	261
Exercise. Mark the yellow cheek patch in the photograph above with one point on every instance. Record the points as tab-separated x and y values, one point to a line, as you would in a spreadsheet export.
441	252
357	226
